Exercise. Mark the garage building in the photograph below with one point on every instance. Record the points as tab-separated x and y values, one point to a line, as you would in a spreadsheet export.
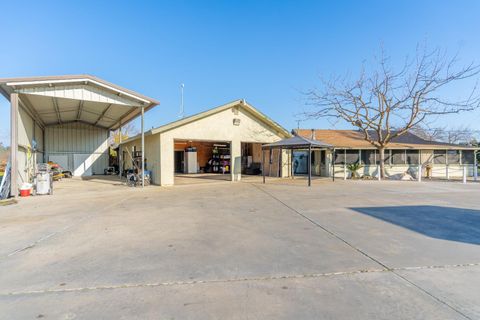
66	119
225	140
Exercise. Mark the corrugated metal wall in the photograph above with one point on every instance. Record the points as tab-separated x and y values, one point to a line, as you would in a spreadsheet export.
78	138
28	131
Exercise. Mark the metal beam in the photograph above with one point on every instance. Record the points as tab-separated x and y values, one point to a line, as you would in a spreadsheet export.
103	114
120	155
98	114
13	144
80	109
143	150
126	114
57	110
77	121
27	104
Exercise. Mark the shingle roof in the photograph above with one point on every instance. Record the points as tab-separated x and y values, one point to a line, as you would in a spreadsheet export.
354	139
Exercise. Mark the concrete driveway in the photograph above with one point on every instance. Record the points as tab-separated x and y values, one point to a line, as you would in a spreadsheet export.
343	250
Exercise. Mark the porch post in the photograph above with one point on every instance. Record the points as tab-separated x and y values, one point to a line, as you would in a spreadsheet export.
309	165
143	149
263	165
13	144
291	164
475	169
120	160
333	164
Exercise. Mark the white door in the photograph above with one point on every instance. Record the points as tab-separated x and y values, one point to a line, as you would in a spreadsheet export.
61	159
82	164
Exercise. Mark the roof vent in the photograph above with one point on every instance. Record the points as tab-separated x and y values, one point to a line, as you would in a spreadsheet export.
313	134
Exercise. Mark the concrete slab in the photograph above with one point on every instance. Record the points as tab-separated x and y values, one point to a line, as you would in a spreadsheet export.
353	296
456	285
401	224
97	249
198	232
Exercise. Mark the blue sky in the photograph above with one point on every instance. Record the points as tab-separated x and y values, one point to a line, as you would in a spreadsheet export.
264	51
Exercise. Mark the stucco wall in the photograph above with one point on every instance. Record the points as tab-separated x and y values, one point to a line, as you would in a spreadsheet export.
216	127
152	154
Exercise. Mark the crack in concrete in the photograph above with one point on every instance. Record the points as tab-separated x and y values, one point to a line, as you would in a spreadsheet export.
232	280
193	282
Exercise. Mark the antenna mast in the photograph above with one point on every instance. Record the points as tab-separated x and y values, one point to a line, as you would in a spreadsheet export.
182	110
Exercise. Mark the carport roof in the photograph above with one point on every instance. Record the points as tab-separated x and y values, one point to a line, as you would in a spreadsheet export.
297	142
55	100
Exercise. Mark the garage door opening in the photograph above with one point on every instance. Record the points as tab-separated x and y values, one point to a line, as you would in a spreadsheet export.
251	158
201	161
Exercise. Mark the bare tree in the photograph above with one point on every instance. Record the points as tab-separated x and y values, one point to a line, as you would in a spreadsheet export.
128	131
429	134
384	104
460	135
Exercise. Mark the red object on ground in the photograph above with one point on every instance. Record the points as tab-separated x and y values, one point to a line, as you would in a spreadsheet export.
24	192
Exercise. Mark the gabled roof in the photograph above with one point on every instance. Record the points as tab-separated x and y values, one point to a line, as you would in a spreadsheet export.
237	103
354	139
51	100
297	142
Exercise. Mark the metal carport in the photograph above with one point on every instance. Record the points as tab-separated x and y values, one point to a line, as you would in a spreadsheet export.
69	115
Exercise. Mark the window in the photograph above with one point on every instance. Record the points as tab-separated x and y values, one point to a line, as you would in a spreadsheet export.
398	157
368	157
439	157
387	157
468	157
413	156
352	156
300	162
453	156
322	157
339	157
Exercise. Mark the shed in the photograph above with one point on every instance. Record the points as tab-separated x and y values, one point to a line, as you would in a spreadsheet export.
66	119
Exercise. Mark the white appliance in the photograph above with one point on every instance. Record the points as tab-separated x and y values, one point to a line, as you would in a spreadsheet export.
43	179
191	160
44	183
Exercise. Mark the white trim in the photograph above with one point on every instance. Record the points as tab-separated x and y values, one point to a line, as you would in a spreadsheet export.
26	83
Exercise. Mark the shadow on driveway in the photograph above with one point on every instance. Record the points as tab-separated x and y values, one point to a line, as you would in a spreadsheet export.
455	224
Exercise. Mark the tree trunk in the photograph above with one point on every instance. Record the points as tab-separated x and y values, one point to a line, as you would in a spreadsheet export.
381	152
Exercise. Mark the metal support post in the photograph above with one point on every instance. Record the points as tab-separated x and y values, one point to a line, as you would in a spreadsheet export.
13	144
143	149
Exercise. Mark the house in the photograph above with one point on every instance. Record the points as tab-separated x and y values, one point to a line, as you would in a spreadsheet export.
226	140
404	154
